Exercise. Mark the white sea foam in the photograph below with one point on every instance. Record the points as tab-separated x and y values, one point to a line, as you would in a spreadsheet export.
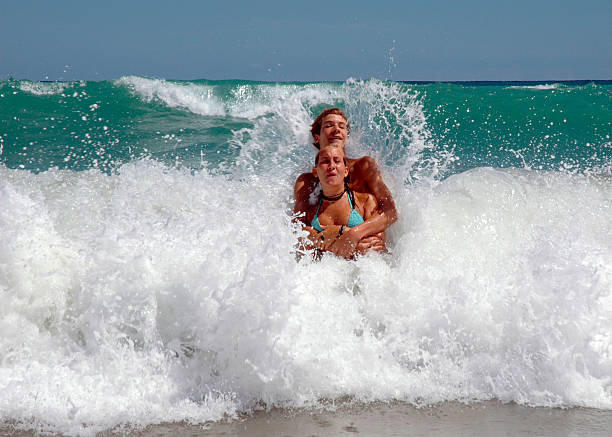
546	86
43	88
387	118
255	100
157	294
199	99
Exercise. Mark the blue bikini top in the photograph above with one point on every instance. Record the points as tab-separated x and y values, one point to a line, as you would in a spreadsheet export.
354	219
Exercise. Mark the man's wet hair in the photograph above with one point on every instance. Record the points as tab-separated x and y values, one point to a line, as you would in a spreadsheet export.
316	125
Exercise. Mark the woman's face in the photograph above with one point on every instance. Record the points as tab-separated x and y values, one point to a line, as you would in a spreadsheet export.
331	168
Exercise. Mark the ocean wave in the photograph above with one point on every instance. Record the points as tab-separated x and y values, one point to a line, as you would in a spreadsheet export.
388	122
167	288
199	99
43	88
160	294
548	86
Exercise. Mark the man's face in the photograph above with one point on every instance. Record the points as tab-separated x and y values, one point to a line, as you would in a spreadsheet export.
334	132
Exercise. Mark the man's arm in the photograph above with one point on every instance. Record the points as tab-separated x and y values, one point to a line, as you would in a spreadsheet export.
357	242
367	175
369	172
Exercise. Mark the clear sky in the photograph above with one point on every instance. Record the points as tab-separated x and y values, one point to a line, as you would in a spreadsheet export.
307	41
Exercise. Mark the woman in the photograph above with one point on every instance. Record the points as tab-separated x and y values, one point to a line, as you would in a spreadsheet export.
331	128
339	211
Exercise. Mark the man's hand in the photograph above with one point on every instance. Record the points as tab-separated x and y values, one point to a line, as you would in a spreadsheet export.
346	244
324	239
373	242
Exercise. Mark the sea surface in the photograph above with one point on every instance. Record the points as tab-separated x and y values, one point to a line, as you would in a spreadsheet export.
149	274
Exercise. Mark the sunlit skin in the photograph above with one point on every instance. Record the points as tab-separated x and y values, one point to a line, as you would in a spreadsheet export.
330	169
334	132
364	178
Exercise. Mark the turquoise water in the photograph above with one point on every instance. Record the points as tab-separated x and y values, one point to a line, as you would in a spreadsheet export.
82	125
147	256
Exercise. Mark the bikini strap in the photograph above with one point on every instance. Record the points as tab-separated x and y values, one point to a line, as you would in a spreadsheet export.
351	197
318	207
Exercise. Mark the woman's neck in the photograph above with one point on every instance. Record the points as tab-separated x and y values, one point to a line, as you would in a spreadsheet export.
333	193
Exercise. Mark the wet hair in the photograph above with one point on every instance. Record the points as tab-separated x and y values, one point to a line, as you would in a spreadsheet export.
319	152
347	178
316	125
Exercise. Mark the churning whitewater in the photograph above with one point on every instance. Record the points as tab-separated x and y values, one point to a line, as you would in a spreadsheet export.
148	265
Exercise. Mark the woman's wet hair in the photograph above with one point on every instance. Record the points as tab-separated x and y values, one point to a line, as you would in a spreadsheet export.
343	156
316	125
347	179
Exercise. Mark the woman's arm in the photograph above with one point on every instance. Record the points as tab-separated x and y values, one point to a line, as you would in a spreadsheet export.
304	186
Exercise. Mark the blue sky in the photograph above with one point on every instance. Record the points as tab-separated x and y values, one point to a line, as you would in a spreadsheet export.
307	41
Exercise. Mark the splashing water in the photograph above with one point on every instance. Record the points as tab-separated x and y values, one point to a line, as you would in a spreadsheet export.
152	276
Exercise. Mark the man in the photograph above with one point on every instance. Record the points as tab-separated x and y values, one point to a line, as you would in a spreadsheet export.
331	128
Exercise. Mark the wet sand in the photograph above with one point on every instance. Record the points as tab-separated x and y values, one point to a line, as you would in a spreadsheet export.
398	419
